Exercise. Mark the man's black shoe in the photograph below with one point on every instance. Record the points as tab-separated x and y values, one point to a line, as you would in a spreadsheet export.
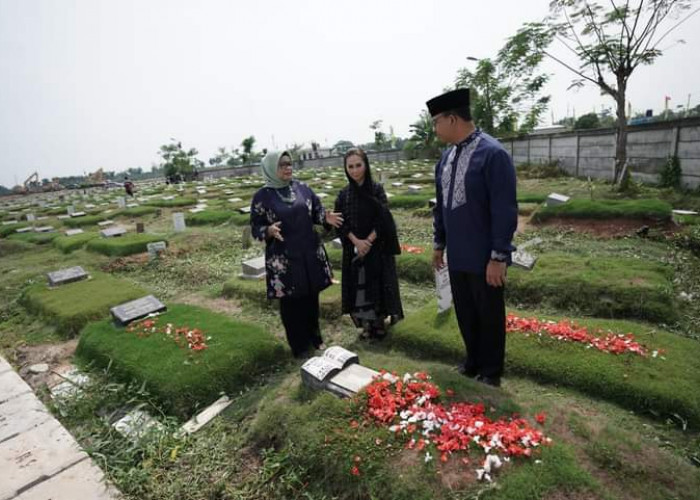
492	381
462	369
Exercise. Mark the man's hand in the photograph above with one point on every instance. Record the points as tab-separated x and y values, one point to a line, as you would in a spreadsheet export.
438	259
496	273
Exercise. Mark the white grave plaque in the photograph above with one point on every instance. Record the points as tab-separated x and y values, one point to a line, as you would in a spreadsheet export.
443	290
179	222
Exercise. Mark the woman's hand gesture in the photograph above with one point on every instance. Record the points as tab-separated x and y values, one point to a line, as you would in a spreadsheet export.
275	231
363	247
335	219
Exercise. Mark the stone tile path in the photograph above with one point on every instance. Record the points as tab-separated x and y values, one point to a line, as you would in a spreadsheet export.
39	459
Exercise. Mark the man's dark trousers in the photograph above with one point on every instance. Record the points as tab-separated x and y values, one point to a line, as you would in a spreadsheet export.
481	316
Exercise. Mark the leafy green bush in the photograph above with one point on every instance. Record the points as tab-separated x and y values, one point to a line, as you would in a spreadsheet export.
661	386
69	307
180	378
123	245
689	239
67	244
544	170
672	174
604	287
607	209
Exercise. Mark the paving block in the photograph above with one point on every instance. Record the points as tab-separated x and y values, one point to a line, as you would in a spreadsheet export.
20	414
83	480
12	385
32	456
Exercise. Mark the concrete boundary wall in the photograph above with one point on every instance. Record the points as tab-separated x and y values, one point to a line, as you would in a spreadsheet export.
591	153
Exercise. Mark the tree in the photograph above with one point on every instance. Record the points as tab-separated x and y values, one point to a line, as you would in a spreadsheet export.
220	158
178	161
380	140
248	144
506	91
423	141
587	121
342	146
609	42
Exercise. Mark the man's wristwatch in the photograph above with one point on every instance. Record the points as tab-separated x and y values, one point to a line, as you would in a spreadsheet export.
499	256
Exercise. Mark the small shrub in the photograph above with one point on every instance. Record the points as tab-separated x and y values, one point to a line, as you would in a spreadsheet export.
544	170
672	174
689	239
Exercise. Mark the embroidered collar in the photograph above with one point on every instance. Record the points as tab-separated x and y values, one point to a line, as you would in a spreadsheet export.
470	138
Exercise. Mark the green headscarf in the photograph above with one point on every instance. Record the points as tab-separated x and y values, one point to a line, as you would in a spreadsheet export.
269	166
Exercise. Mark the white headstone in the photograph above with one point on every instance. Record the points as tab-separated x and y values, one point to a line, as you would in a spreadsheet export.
253	268
556	199
121	201
73	232
179	222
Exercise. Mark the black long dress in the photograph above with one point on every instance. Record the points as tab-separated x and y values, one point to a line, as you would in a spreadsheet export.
373	276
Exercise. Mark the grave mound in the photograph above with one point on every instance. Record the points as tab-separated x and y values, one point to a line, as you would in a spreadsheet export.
255	290
186	365
604	287
663	385
69	307
645	209
67	244
123	245
322	436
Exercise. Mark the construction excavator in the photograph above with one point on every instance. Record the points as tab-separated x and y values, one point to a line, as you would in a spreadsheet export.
34	185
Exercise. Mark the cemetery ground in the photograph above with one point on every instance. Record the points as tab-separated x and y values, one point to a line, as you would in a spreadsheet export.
622	426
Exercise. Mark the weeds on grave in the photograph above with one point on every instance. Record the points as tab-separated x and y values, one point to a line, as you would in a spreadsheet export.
672	173
545	170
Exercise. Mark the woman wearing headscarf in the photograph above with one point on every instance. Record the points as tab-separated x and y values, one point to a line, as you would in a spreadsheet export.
283	214
370	286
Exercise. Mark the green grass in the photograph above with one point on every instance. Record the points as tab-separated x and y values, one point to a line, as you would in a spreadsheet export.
255	290
183	380
607	287
11	229
85	220
208	217
67	244
69	307
315	445
661	387
127	244
416	268
36	238
12	247
177	202
608	209
136	211
410	200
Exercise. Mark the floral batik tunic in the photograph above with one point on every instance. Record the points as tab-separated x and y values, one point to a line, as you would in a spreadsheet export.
297	266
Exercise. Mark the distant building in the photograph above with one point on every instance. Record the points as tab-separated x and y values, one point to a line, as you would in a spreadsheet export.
314	150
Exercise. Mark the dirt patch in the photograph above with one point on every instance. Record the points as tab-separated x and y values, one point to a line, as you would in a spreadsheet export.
523	223
572	495
610	228
221	305
57	356
124	263
454	475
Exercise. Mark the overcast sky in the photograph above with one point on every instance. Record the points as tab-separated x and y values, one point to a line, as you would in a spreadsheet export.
103	83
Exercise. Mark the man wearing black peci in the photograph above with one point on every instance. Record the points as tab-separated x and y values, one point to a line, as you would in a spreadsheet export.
474	220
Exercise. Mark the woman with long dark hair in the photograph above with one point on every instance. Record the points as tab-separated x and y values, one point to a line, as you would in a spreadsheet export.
283	214
370	286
